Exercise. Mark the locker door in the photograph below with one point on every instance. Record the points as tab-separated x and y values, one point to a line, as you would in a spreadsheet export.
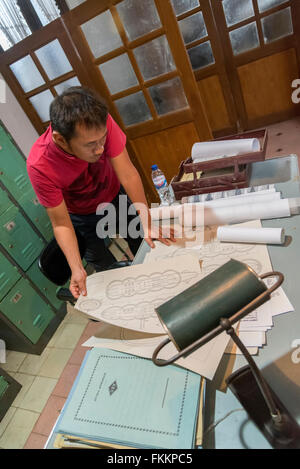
18	238
9	275
37	213
3	386
13	172
27	310
4	201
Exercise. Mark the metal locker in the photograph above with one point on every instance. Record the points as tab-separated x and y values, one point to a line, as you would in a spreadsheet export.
9	389
13	173
37	213
27	310
42	283
3	386
9	275
18	238
5	202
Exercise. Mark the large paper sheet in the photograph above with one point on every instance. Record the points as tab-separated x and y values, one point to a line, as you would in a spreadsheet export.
203	361
127	297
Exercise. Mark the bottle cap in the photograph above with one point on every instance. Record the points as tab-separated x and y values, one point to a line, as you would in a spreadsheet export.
154	167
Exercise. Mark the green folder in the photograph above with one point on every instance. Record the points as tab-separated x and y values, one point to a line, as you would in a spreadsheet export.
127	400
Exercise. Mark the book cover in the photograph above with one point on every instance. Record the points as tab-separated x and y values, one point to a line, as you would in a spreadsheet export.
127	400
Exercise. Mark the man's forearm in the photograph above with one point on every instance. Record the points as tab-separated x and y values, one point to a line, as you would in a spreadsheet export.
67	241
135	191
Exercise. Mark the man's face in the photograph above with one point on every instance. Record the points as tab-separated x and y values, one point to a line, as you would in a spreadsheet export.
87	144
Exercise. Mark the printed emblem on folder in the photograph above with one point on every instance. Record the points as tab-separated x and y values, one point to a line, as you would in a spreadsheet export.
113	387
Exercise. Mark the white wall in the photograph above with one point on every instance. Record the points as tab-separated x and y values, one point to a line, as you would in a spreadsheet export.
17	122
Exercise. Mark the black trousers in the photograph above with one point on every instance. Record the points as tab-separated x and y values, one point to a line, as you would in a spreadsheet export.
97	254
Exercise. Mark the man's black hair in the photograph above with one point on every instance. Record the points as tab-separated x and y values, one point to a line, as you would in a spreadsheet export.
77	105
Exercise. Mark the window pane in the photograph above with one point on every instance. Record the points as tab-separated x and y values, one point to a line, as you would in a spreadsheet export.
154	58
181	6
237	10
13	27
133	109
168	96
264	5
53	59
74	3
193	28
277	25
41	102
27	74
201	56
67	84
101	34
46	10
145	11
244	38
118	74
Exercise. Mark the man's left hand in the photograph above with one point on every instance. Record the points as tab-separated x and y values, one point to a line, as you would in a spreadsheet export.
158	233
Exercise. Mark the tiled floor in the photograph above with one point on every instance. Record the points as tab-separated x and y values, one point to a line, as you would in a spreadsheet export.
47	379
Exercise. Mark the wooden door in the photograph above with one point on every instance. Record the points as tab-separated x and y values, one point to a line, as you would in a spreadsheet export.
261	50
204	47
39	68
134	53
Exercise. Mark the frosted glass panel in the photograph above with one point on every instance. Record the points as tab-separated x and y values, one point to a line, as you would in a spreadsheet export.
46	11
277	25
134	109
67	84
244	38
101	34
264	5
27	74
193	28
118	74
168	96
74	3
181	6
145	11
237	10
41	102
53	59
154	58
201	56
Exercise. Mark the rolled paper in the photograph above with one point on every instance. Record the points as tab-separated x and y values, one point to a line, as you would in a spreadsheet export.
199	214
204	151
172	211
246	199
237	234
233	193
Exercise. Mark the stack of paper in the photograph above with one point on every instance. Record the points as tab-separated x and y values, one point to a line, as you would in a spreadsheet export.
212	254
121	400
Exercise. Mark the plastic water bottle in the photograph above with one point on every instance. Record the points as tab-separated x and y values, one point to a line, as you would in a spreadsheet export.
159	180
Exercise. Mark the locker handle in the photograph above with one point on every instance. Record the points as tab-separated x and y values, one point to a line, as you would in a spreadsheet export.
36	319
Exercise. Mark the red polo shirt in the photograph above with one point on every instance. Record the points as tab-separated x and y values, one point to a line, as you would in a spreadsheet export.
56	175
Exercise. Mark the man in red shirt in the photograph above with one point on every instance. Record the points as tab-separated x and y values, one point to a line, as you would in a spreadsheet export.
80	162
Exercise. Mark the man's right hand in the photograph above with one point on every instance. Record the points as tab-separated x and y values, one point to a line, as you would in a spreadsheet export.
78	283
66	238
